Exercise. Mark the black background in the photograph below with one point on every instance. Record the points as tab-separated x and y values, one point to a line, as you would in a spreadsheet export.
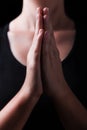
76	9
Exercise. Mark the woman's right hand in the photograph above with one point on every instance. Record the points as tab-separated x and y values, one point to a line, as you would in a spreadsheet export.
16	112
33	74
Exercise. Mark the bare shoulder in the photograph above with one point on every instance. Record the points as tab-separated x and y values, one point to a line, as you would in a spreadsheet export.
64	42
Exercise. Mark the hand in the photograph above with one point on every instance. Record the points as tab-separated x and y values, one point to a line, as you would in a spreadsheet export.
52	75
33	76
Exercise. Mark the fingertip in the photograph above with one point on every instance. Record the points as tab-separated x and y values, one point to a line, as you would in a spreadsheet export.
45	10
39	10
39	22
45	17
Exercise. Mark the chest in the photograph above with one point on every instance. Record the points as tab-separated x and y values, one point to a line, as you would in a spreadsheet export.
20	44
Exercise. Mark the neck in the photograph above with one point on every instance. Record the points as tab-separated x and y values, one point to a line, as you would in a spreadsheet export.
56	8
30	6
57	13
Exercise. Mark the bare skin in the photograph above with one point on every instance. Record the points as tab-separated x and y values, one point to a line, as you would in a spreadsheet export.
14	115
23	27
72	113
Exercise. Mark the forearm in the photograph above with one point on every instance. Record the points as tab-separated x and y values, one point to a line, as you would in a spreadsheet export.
15	114
71	112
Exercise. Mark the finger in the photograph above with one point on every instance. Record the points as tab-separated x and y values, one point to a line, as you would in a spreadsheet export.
33	57
45	49
49	40
47	21
45	18
39	20
37	42
45	60
45	10
39	30
49	47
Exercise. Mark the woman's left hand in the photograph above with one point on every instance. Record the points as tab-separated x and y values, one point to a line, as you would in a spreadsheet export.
71	112
52	75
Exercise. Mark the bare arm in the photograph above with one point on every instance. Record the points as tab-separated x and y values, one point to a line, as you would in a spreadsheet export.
71	112
15	114
17	111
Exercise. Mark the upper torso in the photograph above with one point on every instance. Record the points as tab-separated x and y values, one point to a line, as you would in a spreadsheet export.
12	75
21	41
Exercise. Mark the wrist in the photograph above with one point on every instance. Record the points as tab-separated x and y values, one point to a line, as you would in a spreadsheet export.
27	96
29	90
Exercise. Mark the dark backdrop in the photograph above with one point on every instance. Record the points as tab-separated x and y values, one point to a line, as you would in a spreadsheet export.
9	9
